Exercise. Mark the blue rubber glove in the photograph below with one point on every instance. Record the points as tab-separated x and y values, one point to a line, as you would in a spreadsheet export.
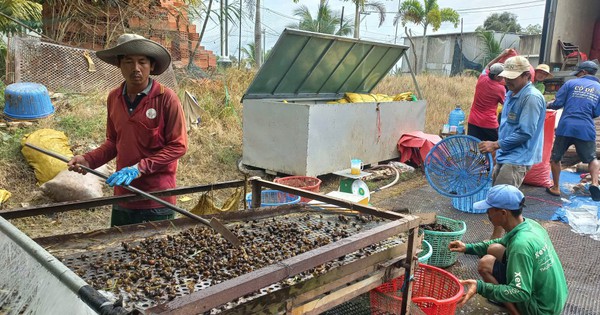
124	176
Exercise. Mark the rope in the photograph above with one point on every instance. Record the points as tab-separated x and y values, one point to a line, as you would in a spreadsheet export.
545	201
378	123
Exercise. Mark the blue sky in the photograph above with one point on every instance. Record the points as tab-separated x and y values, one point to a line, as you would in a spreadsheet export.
277	14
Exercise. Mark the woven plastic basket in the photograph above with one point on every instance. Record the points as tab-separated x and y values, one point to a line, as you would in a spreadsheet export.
456	168
425	253
434	291
465	204
441	256
303	182
273	198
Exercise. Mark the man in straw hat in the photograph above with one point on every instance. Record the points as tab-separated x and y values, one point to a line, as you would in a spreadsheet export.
145	130
521	269
521	131
542	72
580	100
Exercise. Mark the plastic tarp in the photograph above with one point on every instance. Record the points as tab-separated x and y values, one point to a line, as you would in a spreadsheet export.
414	146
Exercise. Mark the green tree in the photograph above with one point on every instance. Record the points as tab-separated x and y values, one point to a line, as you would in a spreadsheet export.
18	15
532	29
411	11
248	51
504	22
326	21
360	5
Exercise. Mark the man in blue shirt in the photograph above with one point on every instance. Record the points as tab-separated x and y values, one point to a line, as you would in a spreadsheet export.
521	131
580	100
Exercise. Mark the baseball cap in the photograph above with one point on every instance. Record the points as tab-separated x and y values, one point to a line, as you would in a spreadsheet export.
496	68
588	66
514	67
544	68
506	197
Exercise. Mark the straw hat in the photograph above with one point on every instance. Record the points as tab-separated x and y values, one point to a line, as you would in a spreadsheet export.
133	44
544	68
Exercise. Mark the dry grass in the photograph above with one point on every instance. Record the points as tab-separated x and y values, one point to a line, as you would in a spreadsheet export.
214	148
441	93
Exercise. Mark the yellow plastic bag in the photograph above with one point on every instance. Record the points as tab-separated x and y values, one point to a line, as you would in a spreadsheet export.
46	167
406	96
206	204
4	195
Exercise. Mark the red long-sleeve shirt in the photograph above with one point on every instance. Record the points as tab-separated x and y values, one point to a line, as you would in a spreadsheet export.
154	136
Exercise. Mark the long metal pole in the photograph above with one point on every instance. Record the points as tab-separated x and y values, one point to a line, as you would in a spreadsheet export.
240	38
213	223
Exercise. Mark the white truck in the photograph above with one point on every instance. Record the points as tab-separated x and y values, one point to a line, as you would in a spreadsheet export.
569	21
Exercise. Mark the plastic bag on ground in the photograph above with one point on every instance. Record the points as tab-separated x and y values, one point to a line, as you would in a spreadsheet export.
72	186
45	166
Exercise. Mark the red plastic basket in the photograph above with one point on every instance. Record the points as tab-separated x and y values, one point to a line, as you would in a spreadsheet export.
303	182
434	290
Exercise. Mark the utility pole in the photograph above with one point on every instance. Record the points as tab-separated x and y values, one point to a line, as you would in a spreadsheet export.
264	45
224	58
342	19
240	39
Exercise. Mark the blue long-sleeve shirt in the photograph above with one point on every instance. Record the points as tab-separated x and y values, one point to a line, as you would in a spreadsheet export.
580	100
521	130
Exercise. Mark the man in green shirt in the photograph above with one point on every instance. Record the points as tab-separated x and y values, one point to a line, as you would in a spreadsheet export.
521	269
542	72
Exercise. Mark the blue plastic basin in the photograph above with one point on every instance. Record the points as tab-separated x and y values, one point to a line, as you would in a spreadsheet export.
27	100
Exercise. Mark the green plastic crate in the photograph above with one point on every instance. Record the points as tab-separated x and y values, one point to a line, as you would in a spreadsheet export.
441	256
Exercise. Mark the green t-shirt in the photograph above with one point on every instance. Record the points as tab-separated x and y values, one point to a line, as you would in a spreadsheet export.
540	86
534	275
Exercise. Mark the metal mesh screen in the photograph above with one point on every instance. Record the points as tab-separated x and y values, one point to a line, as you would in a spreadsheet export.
63	68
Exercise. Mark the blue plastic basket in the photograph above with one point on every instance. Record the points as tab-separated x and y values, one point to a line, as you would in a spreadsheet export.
273	198
27	100
456	168
465	204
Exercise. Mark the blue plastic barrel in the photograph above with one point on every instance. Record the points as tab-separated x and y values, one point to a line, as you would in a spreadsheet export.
457	118
27	100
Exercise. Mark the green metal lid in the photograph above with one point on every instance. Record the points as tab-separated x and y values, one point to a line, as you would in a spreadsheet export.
321	66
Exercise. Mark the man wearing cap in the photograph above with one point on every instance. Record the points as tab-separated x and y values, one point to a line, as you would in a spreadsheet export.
489	92
521	132
521	269
580	100
542	72
145	130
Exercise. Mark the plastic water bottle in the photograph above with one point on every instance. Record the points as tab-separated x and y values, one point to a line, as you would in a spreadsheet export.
457	118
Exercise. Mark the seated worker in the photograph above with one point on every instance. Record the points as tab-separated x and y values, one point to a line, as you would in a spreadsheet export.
542	72
521	269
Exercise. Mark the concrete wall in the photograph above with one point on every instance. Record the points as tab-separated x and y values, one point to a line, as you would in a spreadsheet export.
574	24
440	49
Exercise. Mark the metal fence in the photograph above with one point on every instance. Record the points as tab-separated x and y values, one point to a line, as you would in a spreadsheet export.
65	69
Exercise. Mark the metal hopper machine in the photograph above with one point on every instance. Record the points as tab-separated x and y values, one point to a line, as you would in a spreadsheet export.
294	259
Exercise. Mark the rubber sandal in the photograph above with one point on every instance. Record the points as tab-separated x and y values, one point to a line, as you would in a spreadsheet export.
553	193
595	192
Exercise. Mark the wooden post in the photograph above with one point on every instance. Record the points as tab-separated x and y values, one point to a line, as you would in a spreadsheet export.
256	195
409	270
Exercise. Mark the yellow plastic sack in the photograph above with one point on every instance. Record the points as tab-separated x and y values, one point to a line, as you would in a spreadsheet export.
46	167
206	204
340	101
406	96
4	195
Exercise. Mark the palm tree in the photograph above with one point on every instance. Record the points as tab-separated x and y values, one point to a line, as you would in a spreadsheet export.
412	11
250	56
360	5
27	13
326	21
